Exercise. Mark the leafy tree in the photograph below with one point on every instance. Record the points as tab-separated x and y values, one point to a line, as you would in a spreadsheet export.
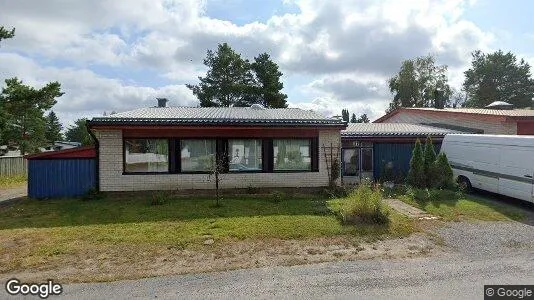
228	81
23	108
345	115
78	133
53	128
443	177
429	160
6	33
363	119
498	76
353	119
420	83
268	90
416	174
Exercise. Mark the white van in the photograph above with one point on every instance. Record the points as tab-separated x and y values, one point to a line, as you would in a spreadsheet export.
502	164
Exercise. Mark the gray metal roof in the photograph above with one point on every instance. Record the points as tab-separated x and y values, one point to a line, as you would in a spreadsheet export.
482	111
394	129
217	116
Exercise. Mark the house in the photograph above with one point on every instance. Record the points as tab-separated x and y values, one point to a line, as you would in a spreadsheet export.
170	148
370	149
474	120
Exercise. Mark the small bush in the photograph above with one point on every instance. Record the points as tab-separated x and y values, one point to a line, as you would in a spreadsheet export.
92	194
429	162
416	174
277	196
159	198
443	178
365	205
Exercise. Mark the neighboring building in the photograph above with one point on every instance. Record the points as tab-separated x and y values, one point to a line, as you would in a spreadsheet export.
170	148
61	145
368	149
474	120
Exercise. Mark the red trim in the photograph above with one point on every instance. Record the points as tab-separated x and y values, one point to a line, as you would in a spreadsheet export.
79	152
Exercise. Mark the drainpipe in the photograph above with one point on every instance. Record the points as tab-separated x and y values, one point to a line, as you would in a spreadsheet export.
97	148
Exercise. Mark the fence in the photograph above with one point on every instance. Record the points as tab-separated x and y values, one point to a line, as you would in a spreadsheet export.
13	165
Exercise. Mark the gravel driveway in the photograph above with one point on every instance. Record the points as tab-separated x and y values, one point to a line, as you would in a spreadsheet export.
13	193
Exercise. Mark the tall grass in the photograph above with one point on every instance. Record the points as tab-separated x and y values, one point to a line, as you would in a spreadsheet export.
11	181
365	205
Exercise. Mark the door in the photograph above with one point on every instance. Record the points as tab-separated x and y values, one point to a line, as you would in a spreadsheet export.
351	162
366	163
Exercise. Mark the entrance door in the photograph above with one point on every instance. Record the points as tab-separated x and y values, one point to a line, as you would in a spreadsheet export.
351	162
357	164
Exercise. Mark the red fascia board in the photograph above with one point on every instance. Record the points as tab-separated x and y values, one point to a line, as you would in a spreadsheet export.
79	152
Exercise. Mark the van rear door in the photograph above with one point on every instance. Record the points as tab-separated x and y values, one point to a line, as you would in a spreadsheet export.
517	172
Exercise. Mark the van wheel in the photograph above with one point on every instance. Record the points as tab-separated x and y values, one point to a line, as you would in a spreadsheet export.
464	184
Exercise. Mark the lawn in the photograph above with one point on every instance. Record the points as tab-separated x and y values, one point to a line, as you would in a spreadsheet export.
453	206
48	234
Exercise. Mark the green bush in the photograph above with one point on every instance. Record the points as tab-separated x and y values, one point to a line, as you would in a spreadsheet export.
443	177
416	174
429	162
159	198
365	205
277	196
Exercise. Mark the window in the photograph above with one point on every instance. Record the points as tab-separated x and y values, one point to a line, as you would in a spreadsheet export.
146	155
292	155
244	155
197	155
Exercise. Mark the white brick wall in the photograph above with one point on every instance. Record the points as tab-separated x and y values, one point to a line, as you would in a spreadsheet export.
112	179
463	120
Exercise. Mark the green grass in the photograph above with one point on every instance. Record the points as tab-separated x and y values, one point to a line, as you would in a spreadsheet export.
12	181
452	206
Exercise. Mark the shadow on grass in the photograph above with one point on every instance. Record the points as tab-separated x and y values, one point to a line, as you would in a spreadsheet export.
116	209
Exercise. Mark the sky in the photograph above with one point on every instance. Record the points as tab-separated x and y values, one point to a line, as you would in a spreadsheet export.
120	55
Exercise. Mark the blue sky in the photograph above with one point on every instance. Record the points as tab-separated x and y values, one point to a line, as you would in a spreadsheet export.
120	55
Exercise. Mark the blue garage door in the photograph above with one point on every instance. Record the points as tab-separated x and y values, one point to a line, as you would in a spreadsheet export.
52	178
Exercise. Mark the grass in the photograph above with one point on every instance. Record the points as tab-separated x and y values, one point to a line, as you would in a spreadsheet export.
454	206
47	233
12	181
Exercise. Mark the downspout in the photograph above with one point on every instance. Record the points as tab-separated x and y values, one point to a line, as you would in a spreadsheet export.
97	148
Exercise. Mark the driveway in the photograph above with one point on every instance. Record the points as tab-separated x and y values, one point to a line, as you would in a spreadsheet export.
13	193
476	254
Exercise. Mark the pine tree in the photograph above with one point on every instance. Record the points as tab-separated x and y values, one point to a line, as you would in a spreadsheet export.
429	160
353	119
416	174
444	176
53	128
345	115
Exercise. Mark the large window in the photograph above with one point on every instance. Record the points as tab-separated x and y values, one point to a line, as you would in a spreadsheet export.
244	155
146	155
197	155
292	154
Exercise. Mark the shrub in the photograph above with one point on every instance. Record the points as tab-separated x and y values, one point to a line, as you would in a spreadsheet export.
92	194
428	162
335	170
416	174
365	205
277	196
159	198
443	179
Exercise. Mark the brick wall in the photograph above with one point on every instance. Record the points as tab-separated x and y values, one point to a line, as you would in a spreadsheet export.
464	120
112	179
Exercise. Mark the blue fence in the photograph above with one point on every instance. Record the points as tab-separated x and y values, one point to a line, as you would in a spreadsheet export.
399	155
53	178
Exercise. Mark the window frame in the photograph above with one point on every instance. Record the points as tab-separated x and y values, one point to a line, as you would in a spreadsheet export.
169	163
178	154
312	157
227	147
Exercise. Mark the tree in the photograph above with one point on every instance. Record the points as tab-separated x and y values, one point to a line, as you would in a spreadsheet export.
6	34
416	174
228	81
267	80
23	108
443	177
78	133
345	115
353	118
428	162
420	83
53	128
363	119
498	76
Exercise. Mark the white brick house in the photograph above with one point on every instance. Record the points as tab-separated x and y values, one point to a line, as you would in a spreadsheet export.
169	148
